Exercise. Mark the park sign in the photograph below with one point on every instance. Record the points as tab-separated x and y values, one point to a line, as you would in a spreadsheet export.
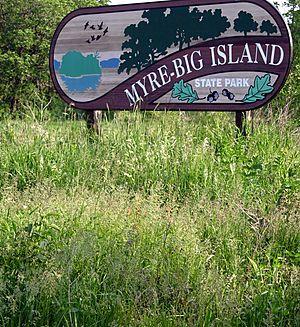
200	55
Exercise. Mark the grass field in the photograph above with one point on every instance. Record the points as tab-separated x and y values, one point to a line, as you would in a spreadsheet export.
166	220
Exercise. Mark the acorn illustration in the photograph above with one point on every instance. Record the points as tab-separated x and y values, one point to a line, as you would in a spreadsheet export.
228	94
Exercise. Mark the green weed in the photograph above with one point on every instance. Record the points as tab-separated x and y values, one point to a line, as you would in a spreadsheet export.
166	220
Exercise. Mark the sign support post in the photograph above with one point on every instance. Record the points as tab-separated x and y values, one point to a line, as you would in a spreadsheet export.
94	120
240	121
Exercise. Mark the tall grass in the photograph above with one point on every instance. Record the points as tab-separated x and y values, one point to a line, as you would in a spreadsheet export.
168	219
182	157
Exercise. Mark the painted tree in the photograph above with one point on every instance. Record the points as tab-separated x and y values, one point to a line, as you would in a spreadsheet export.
145	41
194	25
268	27
137	57
157	41
213	24
181	25
245	23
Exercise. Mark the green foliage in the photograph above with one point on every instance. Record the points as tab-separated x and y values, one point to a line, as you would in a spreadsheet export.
245	23
184	92
259	90
167	220
290	94
293	16
26	30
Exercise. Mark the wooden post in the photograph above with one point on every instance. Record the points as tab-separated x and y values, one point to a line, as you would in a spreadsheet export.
240	118
252	121
93	121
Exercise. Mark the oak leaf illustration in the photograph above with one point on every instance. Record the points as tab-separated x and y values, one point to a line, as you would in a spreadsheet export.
184	92
259	90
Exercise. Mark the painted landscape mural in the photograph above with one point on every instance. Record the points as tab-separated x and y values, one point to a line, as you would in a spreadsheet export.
96	53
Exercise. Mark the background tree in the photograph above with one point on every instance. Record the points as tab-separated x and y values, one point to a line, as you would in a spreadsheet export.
291	91
293	17
245	23
213	24
268	27
26	29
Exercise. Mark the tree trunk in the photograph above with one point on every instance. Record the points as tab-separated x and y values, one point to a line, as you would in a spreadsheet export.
152	55
180	45
93	121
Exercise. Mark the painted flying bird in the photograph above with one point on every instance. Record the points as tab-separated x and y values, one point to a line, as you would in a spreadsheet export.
98	37
100	27
93	37
86	25
92	27
105	31
88	41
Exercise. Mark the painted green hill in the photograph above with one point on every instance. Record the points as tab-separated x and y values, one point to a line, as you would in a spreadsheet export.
74	64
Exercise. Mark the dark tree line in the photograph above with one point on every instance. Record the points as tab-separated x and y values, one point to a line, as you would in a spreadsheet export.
163	28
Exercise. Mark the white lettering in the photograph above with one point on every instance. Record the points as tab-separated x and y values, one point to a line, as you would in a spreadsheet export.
239	82
200	61
222	54
163	72
179	69
133	96
274	47
227	81
246	82
143	86
213	57
246	54
264	55
187	63
153	80
230	62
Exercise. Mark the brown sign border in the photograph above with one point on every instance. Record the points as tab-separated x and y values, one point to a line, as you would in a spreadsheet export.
101	101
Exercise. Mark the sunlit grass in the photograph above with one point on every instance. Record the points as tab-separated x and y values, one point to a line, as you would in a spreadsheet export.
166	220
